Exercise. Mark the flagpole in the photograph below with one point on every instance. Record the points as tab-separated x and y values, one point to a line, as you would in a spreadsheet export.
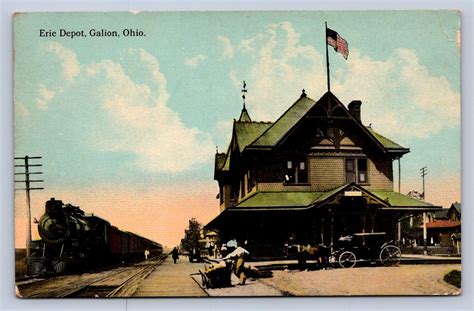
327	55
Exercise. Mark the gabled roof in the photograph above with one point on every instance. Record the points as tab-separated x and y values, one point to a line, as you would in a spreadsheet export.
293	115
244	133
387	143
267	135
247	132
457	207
286	122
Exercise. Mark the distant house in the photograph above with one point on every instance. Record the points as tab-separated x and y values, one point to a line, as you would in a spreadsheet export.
314	174
454	212
444	229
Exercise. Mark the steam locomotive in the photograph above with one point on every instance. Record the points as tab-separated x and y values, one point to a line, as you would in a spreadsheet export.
73	241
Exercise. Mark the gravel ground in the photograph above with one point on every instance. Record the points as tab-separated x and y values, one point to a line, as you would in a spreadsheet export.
402	280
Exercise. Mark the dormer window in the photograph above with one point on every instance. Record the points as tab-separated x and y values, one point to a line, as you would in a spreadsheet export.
296	172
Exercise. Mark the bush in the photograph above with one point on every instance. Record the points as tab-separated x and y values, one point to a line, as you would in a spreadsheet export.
453	278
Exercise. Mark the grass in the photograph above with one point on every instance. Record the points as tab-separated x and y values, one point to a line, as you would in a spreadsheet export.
453	278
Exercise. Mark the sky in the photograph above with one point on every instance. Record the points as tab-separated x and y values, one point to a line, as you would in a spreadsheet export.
128	126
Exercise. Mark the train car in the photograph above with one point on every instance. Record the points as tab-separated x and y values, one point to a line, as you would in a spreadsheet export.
72	241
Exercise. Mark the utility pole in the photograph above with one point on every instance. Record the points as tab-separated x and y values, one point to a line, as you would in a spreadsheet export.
25	163
399	225
424	172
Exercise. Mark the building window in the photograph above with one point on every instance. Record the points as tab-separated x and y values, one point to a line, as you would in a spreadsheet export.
350	171
356	171
296	172
362	171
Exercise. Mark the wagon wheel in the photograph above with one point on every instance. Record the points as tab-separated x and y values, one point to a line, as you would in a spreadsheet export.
390	255
347	259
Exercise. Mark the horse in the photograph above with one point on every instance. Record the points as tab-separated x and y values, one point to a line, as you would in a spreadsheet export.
302	253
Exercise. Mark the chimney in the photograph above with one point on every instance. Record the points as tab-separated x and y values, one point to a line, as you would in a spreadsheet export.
354	109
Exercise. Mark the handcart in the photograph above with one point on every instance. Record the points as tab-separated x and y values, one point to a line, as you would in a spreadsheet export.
217	276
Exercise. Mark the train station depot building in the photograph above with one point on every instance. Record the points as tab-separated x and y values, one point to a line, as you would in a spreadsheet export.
313	175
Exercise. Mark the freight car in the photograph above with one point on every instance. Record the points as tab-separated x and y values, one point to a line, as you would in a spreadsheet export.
73	241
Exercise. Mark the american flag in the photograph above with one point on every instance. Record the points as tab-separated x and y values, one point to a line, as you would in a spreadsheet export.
337	42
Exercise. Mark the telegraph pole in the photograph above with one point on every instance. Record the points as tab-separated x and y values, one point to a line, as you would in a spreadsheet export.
423	173
25	163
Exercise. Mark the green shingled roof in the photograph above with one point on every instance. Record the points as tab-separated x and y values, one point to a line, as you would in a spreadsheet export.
295	200
226	165
247	132
396	199
289	119
287	198
220	160
280	199
387	143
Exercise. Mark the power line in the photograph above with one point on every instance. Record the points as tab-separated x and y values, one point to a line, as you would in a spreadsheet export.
26	164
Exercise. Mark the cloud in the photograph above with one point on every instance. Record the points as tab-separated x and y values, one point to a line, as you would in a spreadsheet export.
193	62
123	108
399	94
70	64
45	96
228	49
282	68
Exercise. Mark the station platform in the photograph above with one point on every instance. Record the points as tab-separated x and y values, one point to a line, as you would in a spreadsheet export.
172	280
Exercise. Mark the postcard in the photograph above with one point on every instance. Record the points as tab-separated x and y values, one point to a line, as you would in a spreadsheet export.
204	154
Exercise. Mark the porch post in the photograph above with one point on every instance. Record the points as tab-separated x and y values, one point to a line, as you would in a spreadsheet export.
399	227
332	230
322	230
425	235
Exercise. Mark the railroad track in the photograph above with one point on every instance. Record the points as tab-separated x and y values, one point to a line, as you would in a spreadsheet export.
119	282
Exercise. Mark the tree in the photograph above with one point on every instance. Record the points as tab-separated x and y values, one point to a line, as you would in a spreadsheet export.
191	236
